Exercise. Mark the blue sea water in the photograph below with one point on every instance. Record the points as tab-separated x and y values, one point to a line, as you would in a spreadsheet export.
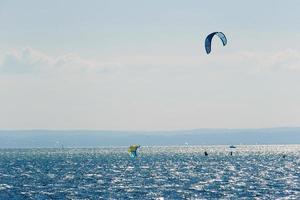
183	172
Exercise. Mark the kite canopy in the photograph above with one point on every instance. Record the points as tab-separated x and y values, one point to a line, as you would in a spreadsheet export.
132	150
210	37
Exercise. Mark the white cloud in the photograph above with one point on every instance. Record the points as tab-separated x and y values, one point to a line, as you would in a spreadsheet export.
285	60
288	59
24	61
29	60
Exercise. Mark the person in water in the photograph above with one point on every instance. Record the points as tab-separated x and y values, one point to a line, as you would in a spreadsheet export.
230	153
205	153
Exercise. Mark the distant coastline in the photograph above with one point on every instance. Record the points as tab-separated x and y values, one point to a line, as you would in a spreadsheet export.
98	138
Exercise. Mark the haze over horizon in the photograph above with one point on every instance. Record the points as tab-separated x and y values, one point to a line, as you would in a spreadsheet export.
107	65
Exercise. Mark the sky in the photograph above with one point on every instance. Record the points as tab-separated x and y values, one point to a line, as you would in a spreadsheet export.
141	65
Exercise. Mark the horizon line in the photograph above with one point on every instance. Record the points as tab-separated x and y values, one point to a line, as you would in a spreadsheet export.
154	130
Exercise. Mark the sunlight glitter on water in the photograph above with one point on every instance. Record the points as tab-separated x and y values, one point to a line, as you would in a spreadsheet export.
183	172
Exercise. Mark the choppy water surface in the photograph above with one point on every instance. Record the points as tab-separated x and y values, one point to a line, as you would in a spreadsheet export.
253	172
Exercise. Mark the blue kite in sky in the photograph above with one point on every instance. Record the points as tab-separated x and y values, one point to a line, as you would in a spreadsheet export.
210	37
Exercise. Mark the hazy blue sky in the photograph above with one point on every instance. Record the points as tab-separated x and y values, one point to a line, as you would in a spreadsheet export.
142	64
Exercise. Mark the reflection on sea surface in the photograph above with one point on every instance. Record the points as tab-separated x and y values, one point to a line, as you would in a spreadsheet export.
252	172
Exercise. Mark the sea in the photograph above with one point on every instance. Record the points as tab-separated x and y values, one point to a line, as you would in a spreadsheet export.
173	172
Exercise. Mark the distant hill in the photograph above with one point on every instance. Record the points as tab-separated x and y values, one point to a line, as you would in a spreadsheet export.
93	138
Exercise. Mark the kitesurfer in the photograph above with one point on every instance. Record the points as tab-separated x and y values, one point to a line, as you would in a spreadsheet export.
132	150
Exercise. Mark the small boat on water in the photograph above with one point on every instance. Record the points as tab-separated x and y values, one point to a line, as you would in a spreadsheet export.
232	147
